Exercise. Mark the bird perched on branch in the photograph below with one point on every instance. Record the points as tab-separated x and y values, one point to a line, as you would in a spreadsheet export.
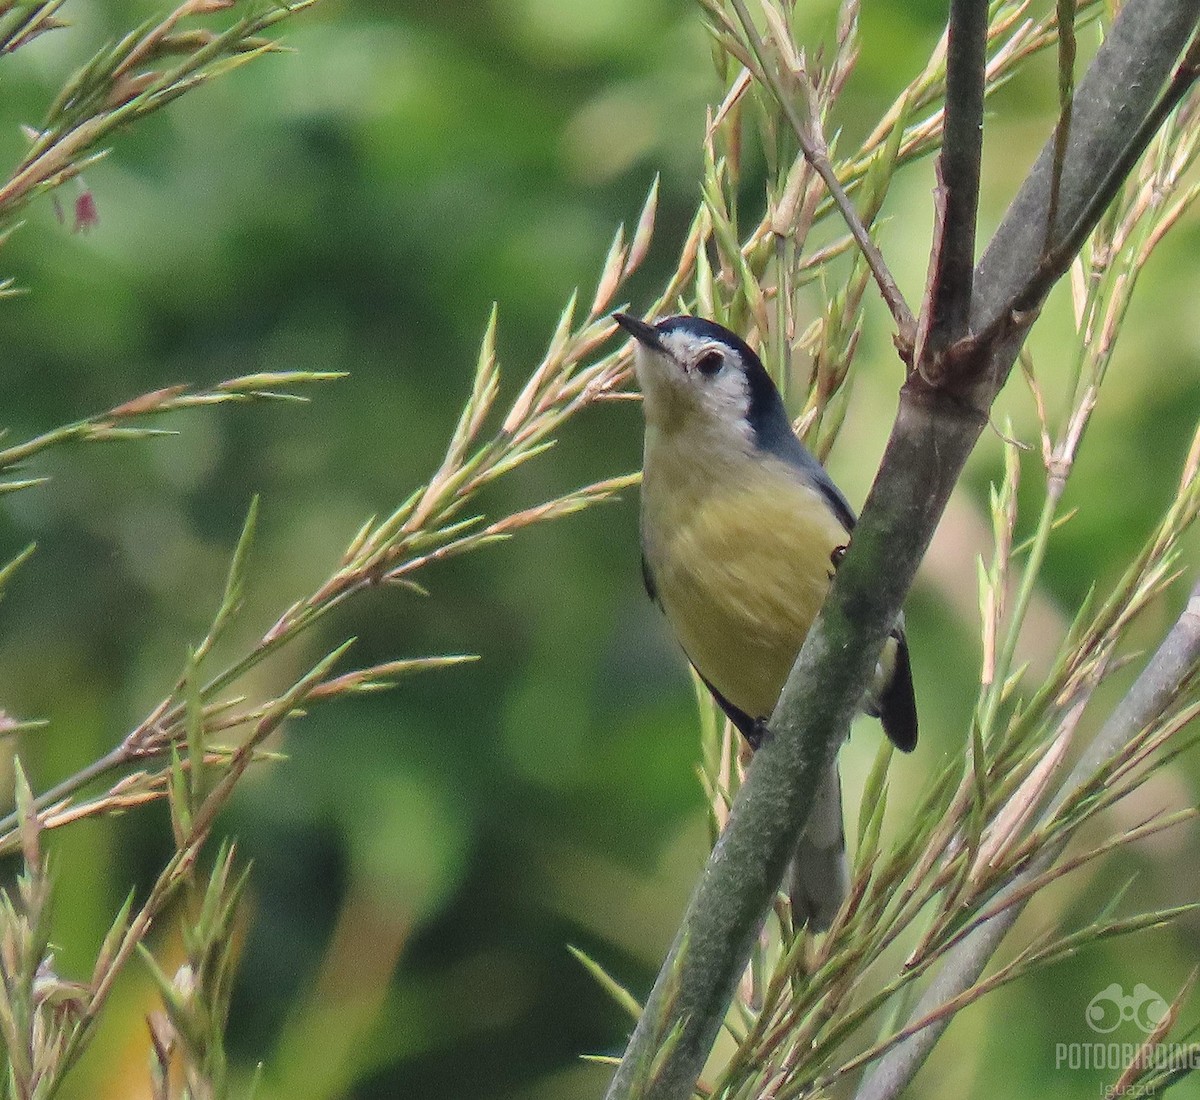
742	531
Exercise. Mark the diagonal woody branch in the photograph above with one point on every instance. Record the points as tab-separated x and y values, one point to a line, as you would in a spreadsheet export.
938	422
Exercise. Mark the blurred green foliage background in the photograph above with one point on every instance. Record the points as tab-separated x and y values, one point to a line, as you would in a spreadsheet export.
423	858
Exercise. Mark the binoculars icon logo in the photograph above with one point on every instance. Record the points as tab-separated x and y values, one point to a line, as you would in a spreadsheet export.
1112	1006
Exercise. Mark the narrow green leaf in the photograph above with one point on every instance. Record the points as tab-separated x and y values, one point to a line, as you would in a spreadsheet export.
112	939
12	566
27	817
178	799
874	802
10	727
106	433
25	483
626	1000
194	726
235	583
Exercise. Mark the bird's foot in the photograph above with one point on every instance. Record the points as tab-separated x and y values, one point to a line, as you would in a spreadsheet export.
759	734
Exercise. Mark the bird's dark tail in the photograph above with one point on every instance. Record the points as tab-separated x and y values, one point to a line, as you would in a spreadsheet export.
891	698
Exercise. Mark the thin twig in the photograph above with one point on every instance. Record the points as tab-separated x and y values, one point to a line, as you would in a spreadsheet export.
947	308
901	313
1066	94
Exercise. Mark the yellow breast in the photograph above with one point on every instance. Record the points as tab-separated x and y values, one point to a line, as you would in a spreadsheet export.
741	564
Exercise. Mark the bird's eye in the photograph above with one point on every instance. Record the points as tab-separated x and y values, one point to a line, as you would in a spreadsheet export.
710	363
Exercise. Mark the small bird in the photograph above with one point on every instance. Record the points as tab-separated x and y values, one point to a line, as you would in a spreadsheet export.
742	531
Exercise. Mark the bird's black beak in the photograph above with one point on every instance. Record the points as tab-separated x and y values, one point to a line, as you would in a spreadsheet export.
644	334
